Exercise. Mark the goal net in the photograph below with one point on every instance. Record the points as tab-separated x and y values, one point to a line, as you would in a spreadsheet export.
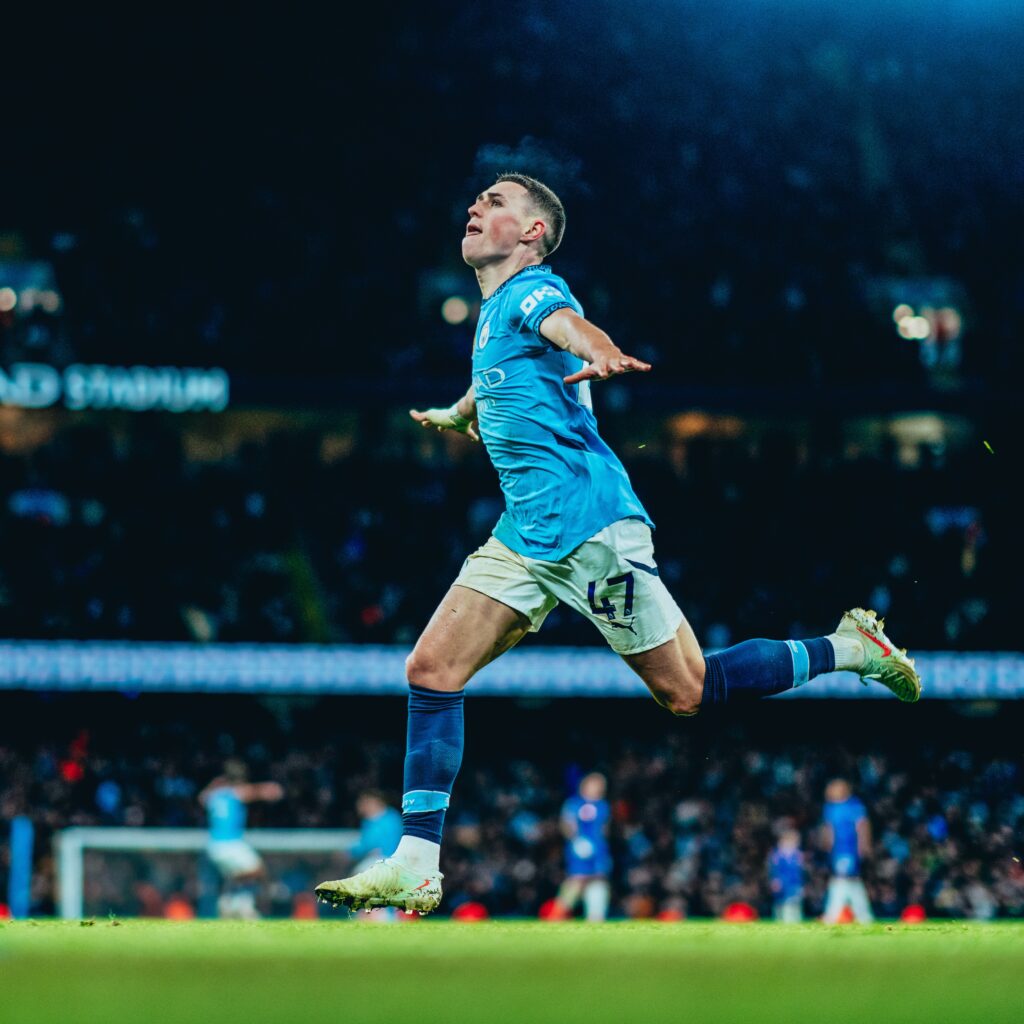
165	871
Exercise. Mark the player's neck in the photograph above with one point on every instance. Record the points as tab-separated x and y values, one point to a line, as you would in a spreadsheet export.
492	276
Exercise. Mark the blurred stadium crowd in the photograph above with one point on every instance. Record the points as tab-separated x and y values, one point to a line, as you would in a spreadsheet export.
351	531
740	209
751	247
747	208
695	811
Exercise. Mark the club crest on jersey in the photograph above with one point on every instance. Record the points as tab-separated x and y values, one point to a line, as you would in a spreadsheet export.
485	335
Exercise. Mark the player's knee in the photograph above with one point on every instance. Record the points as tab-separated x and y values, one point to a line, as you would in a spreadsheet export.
423	670
684	706
681	696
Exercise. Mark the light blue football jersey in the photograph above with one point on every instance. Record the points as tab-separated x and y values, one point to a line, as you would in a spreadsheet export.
225	814
562	483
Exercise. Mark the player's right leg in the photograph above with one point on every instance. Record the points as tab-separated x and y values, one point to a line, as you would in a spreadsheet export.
859	902
838	897
492	606
569	893
596	897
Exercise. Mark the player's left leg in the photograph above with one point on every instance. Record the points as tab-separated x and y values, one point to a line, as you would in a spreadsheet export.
596	896
684	680
613	579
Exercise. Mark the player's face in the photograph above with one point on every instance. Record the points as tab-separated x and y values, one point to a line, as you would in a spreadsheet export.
498	220
593	787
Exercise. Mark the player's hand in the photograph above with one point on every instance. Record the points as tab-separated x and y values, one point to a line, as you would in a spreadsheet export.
445	419
606	365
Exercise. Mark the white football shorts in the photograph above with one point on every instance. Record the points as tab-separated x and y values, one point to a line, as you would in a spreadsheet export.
612	579
233	857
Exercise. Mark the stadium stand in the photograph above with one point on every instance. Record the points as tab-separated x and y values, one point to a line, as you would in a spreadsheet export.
696	809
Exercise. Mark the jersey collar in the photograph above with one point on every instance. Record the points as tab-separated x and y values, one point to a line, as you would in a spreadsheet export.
532	268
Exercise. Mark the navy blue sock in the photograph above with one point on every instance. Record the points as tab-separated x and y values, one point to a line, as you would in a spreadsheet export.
759	668
433	754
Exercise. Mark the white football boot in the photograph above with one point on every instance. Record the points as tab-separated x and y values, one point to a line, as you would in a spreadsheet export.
883	662
385	884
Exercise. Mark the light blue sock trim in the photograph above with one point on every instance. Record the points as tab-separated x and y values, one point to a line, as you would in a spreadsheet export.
801	662
420	801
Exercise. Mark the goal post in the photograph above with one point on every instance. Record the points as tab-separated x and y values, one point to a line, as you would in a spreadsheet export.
71	844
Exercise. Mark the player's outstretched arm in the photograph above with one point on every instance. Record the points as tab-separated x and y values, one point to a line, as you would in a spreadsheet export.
567	329
461	416
250	792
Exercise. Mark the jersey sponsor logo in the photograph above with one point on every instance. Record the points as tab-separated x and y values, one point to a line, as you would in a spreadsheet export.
485	335
529	304
492	377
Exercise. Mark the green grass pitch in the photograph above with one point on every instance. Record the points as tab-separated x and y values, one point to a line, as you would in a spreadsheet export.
346	972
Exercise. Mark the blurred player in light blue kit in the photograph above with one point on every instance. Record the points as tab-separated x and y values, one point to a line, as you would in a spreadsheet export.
573	532
848	842
786	873
380	829
241	867
588	860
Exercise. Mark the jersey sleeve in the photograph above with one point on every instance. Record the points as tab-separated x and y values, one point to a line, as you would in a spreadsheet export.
535	300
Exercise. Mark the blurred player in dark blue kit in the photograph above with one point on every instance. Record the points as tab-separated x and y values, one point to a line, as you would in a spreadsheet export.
241	867
848	842
786	872
573	531
588	859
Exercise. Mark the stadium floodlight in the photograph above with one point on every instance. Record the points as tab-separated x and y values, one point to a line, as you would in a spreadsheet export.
70	846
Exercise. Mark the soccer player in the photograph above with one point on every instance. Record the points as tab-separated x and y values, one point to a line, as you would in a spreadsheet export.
240	866
848	842
588	860
573	530
380	829
786	871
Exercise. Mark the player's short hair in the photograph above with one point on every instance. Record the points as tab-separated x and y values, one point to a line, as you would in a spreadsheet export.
547	203
235	770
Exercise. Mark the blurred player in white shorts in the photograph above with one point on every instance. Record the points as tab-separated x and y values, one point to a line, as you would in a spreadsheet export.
848	841
241	867
588	860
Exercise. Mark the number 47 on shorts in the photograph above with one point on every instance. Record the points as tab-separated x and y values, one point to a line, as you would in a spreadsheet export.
606	607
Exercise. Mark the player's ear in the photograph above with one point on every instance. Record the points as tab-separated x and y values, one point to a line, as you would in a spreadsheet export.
534	231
